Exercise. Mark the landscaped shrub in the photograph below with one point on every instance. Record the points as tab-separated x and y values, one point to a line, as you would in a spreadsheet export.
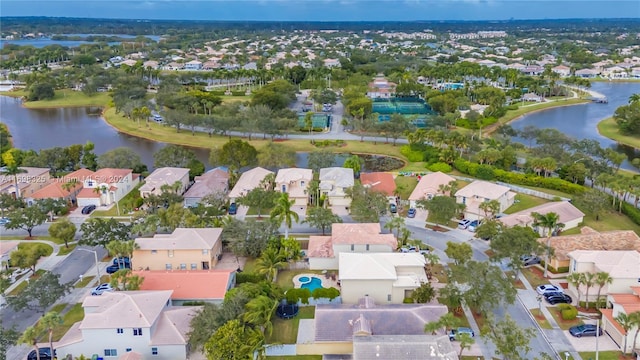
219	92
411	155
295	295
569	312
193	303
440	166
407	300
245	277
632	212
485	172
512	107
238	93
330	293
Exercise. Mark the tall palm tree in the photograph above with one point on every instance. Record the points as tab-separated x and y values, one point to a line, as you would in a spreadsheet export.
50	321
626	322
269	263
550	222
11	168
490	207
589	281
259	312
30	336
576	279
635	318
282	213
396	223
633	98
70	186
602	278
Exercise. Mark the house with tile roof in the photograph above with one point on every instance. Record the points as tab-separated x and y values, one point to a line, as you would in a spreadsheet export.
381	182
562	70
191	285
166	176
388	278
333	183
622	303
30	181
118	322
480	191
403	347
106	186
622	265
569	215
430	185
57	188
323	251
335	326
248	181
215	181
589	239
183	249
295	182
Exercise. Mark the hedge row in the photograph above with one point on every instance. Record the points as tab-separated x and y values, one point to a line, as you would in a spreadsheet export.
303	295
632	212
245	277
488	172
569	312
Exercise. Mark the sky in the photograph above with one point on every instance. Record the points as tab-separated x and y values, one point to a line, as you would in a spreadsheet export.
324	10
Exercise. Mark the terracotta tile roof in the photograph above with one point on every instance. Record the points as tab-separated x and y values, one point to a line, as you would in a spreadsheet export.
248	181
362	234
86	193
430	185
72	336
110	175
214	181
379	181
593	240
320	246
564	209
608	313
635	290
53	191
131	355
188	285
79	175
124	309
182	239
173	326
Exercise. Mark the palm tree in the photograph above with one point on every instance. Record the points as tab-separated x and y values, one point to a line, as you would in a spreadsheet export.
354	162
576	279
50	321
633	98
626	322
396	223
269	263
282	213
446	321
11	168
100	190
602	278
70	186
490	207
635	318
551	222
589	281
259	312
30	336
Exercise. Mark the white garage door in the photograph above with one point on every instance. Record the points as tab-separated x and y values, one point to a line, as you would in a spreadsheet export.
88	201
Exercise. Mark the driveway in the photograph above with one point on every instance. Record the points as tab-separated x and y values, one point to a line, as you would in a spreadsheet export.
605	343
340	210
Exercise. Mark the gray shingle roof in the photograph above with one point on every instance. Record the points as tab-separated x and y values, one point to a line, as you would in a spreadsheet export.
403	347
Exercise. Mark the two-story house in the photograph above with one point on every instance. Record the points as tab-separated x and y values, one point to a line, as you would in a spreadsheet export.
388	278
64	188
323	251
333	183
116	323
478	192
166	177
29	181
183	249
106	186
622	303
295	182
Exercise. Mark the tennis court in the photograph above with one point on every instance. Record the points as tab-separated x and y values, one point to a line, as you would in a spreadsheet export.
317	120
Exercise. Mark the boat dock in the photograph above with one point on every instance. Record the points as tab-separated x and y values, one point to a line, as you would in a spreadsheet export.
599	100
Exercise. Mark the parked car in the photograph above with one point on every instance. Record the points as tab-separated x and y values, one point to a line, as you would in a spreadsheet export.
157	118
411	213
393	208
114	268
4	221
528	260
473	226
461	330
558	298
548	288
462	224
101	289
233	209
45	354
121	260
584	330
88	209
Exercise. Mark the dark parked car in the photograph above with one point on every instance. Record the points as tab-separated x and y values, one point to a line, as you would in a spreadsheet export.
45	354
528	260
584	330
121	263
393	208
461	330
88	209
558	298
233	209
411	213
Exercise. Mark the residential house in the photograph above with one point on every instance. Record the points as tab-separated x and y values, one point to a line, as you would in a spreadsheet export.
586	73
248	181
333	183
5	251
183	249
381	88
532	70
615	72
173	66
192	285
589	239
57	188
562	70
635	72
29	181
569	215
400	347
150	64
388	278
323	251
622	265
118	322
215	181
478	192
106	186
625	303
430	185
331	63
295	182
166	176
193	65
335	326
532	97
380	181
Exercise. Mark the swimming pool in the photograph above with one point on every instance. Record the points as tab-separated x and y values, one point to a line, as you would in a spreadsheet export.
310	283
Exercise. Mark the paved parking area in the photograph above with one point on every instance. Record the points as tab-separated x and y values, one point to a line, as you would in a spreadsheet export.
605	343
340	210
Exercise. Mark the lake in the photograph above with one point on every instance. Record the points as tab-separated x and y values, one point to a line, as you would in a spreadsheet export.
42	42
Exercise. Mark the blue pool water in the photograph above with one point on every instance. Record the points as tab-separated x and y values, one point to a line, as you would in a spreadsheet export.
312	285
304	279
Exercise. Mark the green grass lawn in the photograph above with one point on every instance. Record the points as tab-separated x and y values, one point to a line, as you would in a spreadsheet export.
604	355
542	321
564	324
405	185
75	314
64	98
46	248
125	202
608	222
263	212
66	250
523	202
285	277
609	128
249	265
18	289
84	282
286	331
230	99
512	114
534	278
297	357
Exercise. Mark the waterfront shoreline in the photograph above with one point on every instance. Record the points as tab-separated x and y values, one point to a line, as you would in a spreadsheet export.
608	128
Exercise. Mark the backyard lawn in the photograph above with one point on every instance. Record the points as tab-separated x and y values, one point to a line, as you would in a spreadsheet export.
286	331
64	98
534	276
523	202
405	185
608	222
604	355
75	314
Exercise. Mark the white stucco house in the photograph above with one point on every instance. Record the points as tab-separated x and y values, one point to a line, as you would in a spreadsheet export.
388	278
248	181
478	192
568	214
622	265
106	186
621	303
116	323
333	183
295	182
165	176
430	185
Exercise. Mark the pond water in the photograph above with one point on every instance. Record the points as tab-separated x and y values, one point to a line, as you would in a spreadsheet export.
42	42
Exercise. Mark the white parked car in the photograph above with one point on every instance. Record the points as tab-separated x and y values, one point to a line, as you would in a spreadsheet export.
548	288
101	288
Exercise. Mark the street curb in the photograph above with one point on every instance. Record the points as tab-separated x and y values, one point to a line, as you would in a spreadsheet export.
540	329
